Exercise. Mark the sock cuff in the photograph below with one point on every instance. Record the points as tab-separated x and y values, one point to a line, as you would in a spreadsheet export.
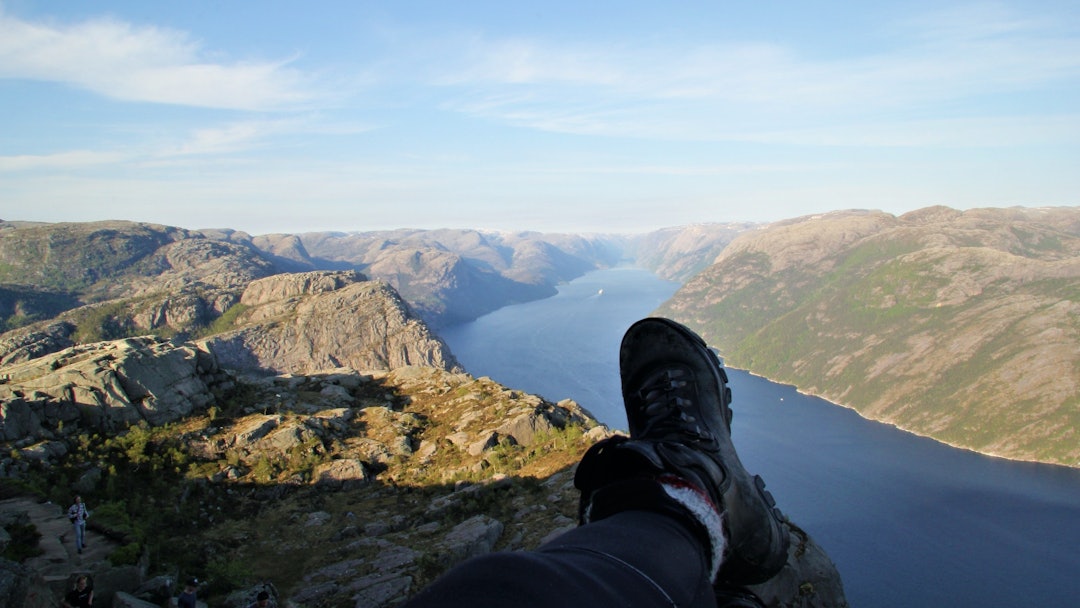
702	509
664	494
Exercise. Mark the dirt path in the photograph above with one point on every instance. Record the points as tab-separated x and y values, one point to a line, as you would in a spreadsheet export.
59	560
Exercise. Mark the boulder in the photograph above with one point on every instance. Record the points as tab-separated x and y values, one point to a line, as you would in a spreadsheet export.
110	581
159	589
22	588
104	386
474	536
344	473
524	428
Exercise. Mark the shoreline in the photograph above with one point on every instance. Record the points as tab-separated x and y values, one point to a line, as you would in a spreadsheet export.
826	399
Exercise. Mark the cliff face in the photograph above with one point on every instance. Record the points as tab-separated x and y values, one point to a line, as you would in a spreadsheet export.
320	320
964	327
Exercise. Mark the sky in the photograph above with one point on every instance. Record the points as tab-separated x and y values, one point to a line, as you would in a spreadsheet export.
615	117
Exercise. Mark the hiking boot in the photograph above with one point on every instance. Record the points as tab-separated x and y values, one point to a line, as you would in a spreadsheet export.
677	405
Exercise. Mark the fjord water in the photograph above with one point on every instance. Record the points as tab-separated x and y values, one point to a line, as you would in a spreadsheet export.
908	521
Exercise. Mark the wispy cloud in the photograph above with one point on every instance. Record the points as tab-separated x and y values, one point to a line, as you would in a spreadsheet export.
62	160
144	63
980	132
209	142
721	90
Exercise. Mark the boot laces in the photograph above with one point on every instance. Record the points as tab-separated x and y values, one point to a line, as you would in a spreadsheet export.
668	407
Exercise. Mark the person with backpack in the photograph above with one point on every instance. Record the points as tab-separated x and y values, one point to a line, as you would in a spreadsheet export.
77	514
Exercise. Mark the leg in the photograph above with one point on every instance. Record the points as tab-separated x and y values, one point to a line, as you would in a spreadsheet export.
601	564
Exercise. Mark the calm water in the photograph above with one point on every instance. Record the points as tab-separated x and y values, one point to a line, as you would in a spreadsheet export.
909	522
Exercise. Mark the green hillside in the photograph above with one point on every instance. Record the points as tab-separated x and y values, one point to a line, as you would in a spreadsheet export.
964	327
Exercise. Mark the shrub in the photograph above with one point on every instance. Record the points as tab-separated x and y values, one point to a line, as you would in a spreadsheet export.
127	555
225	575
226	321
24	542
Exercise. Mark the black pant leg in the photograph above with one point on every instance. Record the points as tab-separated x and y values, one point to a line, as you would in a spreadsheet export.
636	559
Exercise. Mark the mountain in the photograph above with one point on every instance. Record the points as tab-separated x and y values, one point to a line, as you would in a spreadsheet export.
446	276
678	253
310	321
453	276
167	277
961	326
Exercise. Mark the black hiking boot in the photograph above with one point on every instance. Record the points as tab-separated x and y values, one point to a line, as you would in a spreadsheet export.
677	405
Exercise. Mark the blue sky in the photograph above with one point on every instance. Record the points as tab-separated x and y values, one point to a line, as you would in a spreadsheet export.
556	116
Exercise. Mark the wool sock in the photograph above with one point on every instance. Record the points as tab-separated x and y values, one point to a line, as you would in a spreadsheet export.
701	508
669	495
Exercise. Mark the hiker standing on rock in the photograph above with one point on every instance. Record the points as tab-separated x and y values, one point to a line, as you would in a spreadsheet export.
77	514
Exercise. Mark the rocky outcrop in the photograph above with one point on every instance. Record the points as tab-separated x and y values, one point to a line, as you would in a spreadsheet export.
16	347
375	487
284	287
318	320
808	580
109	280
20	587
104	387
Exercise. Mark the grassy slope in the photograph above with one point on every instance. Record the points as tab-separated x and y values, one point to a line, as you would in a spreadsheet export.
955	332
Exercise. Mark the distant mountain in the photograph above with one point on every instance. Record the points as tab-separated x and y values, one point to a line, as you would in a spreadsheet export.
961	326
681	252
146	277
107	280
452	276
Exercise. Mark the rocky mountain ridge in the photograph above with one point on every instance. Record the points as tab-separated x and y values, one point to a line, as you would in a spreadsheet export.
179	280
961	326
